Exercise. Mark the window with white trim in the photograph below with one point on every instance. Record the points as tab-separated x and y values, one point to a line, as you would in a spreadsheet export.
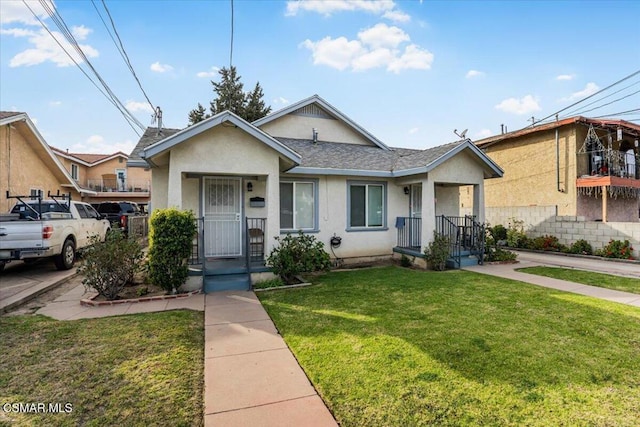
366	205
298	205
74	171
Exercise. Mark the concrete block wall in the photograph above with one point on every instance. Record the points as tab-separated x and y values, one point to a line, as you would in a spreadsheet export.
542	220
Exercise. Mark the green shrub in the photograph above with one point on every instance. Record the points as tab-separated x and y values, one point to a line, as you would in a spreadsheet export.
581	247
546	243
270	283
437	252
405	261
499	232
516	237
170	242
617	249
498	254
297	254
109	265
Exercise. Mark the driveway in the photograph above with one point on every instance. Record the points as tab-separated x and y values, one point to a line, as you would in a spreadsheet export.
20	282
627	269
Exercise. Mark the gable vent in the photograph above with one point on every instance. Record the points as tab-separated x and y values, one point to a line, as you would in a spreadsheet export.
313	110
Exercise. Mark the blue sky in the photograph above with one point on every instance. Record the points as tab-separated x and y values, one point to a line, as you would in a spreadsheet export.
410	72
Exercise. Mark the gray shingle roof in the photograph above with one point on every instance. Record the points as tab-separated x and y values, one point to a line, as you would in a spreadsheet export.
151	136
7	114
333	155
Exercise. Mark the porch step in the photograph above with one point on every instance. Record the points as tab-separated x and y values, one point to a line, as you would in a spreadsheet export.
227	282
465	261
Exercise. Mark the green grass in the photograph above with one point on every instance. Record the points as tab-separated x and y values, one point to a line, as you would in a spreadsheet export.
136	370
626	284
399	347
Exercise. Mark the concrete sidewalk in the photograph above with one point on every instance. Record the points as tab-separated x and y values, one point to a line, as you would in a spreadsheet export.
508	271
251	377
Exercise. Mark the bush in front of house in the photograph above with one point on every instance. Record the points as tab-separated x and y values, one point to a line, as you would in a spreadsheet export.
109	265
516	237
170	243
437	252
296	254
547	243
581	247
499	232
492	251
617	249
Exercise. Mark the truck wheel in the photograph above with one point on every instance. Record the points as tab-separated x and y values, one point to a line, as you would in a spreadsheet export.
67	256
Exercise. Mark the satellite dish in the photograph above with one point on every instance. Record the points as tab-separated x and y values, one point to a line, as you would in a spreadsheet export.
464	133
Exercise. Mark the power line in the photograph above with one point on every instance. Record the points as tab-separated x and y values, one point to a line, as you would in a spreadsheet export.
588	97
231	48
609	103
78	65
576	111
124	54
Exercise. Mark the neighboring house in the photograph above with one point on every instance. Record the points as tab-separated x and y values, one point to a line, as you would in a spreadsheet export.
108	175
576	178
308	167
27	163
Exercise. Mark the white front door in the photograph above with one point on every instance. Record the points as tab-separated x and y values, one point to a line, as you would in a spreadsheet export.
222	217
121	179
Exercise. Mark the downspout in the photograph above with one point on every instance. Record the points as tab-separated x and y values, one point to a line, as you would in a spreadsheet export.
558	162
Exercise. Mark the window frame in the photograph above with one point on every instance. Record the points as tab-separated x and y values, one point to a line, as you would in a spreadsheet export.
294	181
75	171
366	184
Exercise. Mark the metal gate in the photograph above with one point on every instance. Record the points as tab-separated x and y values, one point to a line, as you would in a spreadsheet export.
222	217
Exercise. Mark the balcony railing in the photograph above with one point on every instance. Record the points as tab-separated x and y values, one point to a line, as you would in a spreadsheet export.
609	163
122	186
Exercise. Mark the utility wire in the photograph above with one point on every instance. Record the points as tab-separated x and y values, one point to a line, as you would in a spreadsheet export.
78	65
59	21
577	110
231	48
608	103
584	99
125	56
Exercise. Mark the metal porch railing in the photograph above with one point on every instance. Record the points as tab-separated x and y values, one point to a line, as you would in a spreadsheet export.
409	233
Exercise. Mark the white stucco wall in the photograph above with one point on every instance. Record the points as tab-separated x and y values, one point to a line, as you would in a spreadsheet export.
159	187
301	127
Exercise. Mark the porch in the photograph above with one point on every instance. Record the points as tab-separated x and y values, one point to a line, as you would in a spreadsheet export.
230	271
465	235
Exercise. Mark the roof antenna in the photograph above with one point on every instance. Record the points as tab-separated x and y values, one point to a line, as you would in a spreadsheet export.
158	116
461	135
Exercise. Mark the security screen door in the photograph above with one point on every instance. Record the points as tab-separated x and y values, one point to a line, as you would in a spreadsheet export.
222	217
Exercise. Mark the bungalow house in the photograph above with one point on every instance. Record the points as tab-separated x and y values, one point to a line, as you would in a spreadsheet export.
28	165
577	178
309	167
108	175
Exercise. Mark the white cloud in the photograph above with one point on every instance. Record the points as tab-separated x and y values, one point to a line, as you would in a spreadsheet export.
55	103
474	73
382	35
524	105
588	90
397	16
376	47
327	7
160	68
213	71
135	106
566	77
96	144
47	49
281	101
413	131
483	133
17	12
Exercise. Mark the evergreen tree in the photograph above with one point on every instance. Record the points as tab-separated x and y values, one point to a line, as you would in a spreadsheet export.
254	105
230	96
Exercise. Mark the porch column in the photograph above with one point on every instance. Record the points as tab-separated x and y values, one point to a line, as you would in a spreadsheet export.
604	203
478	202
272	212
428	211
174	199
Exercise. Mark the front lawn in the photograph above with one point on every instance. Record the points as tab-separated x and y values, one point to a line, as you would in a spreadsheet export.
135	370
625	284
400	347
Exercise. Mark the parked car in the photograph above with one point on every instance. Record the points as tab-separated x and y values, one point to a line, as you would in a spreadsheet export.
49	228
118	213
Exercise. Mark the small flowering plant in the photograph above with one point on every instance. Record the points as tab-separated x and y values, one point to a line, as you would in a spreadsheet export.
617	249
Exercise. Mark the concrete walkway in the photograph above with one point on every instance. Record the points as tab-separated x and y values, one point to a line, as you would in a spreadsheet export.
530	260
251	377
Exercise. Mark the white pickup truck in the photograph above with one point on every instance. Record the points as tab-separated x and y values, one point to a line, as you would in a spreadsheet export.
49	228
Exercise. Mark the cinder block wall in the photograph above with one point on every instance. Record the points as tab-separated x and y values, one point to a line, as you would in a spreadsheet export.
542	220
